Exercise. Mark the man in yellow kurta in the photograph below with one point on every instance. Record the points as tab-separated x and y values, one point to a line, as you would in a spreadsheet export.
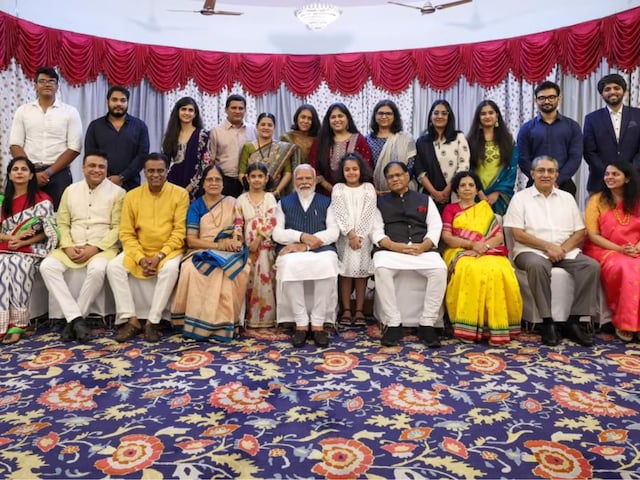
89	222
152	232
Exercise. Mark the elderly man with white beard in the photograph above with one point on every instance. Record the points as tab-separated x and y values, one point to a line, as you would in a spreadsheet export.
306	232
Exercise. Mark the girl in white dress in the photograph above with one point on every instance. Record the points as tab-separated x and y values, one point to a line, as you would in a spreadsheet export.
354	203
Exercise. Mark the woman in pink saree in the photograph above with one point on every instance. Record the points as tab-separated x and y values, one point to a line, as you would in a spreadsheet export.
612	218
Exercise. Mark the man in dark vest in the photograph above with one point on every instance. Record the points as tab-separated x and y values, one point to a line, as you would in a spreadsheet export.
307	262
407	231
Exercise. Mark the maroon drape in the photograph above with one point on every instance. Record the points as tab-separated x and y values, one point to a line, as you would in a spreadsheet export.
577	49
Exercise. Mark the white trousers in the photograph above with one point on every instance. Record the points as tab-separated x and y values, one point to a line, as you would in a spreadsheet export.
52	272
323	301
165	281
432	301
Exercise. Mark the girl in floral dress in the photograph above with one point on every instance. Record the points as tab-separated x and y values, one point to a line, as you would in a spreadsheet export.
255	220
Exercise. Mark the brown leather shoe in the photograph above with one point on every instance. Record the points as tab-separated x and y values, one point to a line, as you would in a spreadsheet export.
128	332
151	333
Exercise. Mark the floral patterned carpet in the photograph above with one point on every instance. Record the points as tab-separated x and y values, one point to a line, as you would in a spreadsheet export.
260	409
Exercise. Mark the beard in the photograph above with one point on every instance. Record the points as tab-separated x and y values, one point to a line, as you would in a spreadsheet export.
305	193
117	114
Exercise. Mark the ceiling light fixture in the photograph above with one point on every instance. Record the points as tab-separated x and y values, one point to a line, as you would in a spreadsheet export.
316	16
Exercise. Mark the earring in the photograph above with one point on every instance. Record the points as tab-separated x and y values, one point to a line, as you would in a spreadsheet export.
497	124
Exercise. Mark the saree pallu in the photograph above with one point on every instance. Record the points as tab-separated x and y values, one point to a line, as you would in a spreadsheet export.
619	273
504	183
210	293
483	296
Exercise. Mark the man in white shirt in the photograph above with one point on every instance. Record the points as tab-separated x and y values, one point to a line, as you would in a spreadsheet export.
226	142
49	133
548	231
407	230
306	231
89	223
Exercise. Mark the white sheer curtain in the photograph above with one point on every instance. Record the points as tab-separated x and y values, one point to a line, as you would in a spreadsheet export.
513	96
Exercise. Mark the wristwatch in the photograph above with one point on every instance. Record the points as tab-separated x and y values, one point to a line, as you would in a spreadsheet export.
160	255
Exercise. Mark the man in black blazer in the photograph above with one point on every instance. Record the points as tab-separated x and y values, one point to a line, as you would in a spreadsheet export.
611	133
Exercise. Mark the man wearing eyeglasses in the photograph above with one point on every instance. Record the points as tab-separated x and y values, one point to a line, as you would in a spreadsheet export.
548	231
551	133
49	133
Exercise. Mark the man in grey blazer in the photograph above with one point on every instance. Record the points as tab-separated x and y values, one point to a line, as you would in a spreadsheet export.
611	133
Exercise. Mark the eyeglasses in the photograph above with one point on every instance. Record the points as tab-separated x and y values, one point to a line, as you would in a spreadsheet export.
542	171
213	180
440	114
47	81
542	98
384	114
391	176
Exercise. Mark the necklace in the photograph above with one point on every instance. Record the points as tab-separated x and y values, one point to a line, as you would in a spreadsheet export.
262	156
216	219
622	221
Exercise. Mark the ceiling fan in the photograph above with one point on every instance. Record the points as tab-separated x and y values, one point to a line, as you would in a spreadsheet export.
429	8
209	8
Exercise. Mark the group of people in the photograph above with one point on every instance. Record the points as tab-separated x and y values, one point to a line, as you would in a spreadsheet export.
232	224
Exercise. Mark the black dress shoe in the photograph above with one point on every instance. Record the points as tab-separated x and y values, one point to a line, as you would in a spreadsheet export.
151	333
321	338
81	329
391	336
68	333
578	335
299	338
429	336
550	335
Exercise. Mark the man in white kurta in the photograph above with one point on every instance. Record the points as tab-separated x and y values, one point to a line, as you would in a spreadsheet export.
407	230
89	223
306	231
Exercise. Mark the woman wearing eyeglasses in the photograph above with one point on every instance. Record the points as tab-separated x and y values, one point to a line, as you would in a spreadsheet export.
442	151
388	143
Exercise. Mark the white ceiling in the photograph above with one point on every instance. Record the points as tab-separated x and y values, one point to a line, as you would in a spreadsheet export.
269	26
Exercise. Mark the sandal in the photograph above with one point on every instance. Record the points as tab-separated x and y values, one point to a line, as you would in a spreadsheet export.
624	335
128	332
360	319
346	319
13	335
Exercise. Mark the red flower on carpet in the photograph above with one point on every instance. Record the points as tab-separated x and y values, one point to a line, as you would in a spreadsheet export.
4	441
338	362
322	396
613	435
180	401
235	397
249	444
192	360
400	450
559	357
47	442
454	447
220	430
485	362
413	401
47	358
627	363
28	428
69	396
496	396
416	357
194	446
133	353
531	405
9	399
355	404
609	452
595	403
416	433
160	392
135	453
274	355
557	461
377	357
234	355
343	459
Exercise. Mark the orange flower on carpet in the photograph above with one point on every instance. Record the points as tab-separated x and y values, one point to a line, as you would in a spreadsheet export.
160	392
531	405
69	396
354	404
249	444
321	396
28	428
235	397
343	459
220	430
133	353
613	435
413	401
338	362
595	403
609	452
496	396
559	357
180	401
627	363
135	453
48	358
416	433
47	442
192	360
485	362
400	450
558	461
9	399
194	446
454	447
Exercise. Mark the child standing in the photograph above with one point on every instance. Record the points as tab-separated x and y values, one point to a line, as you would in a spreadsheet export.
255	220
354	203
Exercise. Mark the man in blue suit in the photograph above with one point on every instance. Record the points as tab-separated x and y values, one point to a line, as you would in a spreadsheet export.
611	133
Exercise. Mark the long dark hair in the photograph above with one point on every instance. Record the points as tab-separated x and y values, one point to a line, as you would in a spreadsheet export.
170	141
396	126
326	138
630	191
365	171
501	137
315	119
10	190
450	132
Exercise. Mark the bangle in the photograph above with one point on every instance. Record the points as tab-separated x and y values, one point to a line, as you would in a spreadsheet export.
307	247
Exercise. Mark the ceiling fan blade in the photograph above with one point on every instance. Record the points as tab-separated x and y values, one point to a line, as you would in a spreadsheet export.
405	5
451	4
224	12
187	11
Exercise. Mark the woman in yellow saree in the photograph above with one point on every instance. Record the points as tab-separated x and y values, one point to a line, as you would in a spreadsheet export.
483	296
